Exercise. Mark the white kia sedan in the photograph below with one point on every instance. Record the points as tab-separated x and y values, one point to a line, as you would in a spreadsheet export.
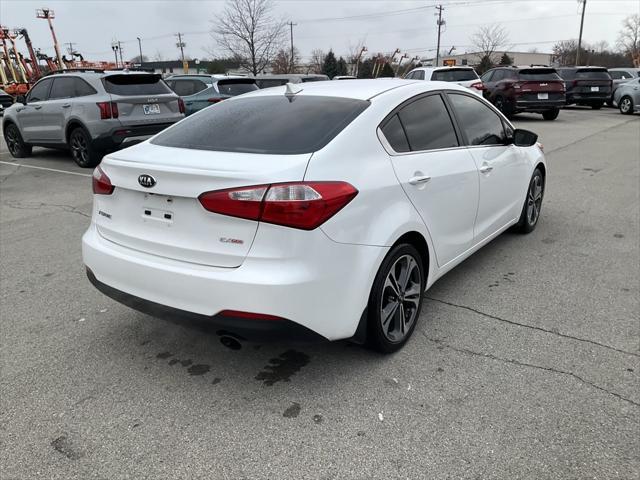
325	209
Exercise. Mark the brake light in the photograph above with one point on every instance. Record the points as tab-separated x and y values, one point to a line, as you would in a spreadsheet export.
181	108
249	315
302	205
214	100
101	183
478	86
108	110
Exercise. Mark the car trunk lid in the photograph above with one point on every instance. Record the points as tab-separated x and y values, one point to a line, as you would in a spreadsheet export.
167	219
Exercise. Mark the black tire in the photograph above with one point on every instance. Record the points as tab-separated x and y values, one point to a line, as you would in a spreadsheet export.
15	144
551	114
626	105
503	105
407	299
82	150
535	194
597	106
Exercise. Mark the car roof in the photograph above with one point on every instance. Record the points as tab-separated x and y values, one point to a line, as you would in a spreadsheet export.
359	89
591	67
291	75
448	67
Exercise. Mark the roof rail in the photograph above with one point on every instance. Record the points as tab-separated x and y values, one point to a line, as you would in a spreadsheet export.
130	69
73	70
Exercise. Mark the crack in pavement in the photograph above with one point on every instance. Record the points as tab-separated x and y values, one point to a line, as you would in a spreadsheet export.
36	206
529	365
533	327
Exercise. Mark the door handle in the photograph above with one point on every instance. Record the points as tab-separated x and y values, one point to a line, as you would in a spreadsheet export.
66	105
419	179
485	168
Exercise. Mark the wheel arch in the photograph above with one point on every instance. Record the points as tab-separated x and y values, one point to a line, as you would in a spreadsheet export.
71	126
417	240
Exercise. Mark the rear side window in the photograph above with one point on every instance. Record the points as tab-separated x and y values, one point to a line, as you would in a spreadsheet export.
40	91
83	88
187	87
532	74
63	87
592	74
394	133
481	125
427	124
454	75
271	124
135	84
228	87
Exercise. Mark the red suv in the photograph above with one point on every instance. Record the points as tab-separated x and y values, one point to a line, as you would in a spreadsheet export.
525	89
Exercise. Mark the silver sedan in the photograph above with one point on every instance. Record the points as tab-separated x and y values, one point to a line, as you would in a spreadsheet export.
627	97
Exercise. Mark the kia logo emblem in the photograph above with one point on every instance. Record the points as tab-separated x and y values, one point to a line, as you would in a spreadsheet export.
147	181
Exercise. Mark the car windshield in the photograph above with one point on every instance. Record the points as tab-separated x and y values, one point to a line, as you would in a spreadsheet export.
272	124
532	74
454	75
593	74
135	84
238	87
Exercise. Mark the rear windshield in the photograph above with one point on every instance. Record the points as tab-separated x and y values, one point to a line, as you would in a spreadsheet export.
270	82
539	74
454	75
265	124
313	79
237	87
141	84
593	74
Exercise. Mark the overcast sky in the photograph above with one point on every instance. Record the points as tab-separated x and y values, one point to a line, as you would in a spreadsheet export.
382	25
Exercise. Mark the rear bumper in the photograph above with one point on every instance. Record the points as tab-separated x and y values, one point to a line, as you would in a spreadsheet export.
538	106
317	284
588	97
120	137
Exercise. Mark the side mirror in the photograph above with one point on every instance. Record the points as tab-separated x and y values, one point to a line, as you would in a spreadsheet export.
21	99
523	138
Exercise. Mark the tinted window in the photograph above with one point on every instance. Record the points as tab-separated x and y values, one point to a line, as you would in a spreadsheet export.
419	75
270	82
265	124
567	73
409	76
538	74
454	75
481	125
83	88
135	84
509	74
427	124
394	133
313	79
238	87
63	87
39	91
487	77
617	75
187	87
592	74
497	75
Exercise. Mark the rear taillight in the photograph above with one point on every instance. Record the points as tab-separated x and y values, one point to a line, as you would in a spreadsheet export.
108	110
214	100
478	86
101	183
249	315
181	105
574	83
303	205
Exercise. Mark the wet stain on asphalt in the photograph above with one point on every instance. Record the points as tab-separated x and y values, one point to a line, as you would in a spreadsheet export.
317	419
293	411
548	241
199	369
216	381
186	363
173	361
63	445
618	235
282	368
164	355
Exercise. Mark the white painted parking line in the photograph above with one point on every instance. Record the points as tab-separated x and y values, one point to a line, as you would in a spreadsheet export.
45	168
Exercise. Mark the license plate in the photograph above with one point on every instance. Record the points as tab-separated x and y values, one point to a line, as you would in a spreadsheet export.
543	96
151	109
595	89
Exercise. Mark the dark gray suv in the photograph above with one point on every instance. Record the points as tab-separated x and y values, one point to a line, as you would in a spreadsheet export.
90	112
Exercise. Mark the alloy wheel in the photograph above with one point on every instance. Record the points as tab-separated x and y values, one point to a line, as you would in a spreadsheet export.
625	105
400	298
79	148
534	199
13	142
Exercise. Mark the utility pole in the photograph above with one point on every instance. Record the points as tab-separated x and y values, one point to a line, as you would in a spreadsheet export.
114	47
584	6
120	50
441	22
70	48
140	48
181	46
292	66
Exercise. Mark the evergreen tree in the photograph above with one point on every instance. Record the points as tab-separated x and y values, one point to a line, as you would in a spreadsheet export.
330	65
342	66
485	64
365	69
387	71
506	59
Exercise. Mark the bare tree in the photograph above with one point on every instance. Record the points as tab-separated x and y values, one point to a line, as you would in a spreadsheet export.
488	40
158	56
282	61
629	38
317	61
247	30
564	52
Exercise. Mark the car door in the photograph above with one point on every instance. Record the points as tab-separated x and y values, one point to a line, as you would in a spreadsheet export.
503	169
439	176
29	116
192	88
56	107
489	83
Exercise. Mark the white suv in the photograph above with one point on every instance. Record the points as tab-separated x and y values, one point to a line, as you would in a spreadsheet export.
465	76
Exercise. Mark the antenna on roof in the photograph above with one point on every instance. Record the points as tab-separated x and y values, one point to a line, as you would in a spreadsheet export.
291	90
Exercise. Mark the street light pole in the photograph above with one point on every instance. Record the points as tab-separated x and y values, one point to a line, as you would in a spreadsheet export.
584	7
440	8
114	47
140	48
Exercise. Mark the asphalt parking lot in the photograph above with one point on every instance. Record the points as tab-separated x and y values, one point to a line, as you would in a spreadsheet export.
525	362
